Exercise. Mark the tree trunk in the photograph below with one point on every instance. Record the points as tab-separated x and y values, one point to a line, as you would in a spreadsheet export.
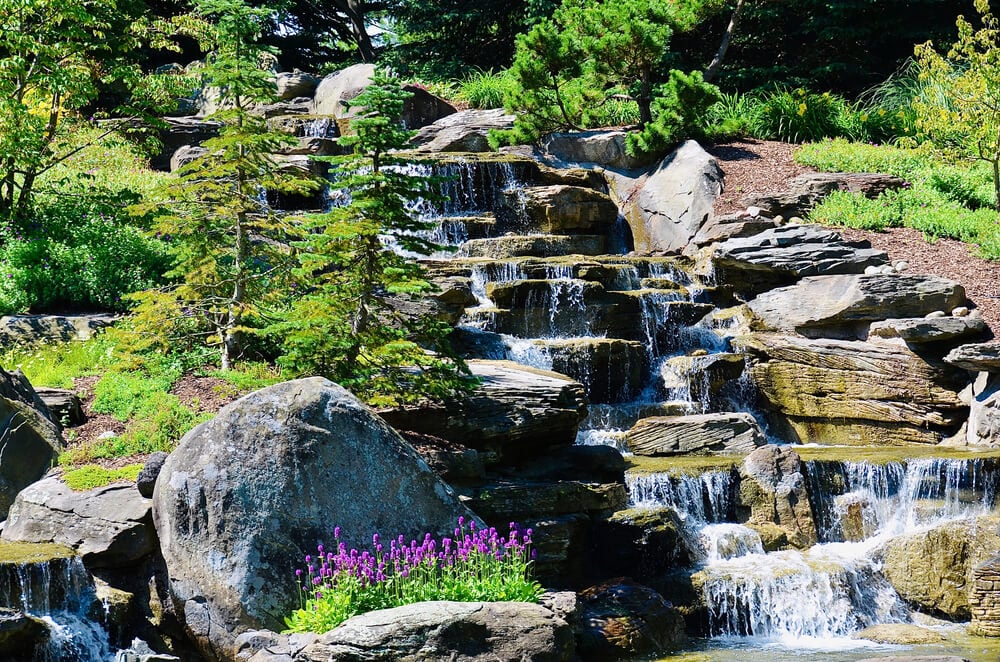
713	67
645	99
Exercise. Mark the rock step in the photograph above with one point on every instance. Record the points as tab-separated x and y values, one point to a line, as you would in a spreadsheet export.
921	330
611	369
564	209
679	435
540	245
524	500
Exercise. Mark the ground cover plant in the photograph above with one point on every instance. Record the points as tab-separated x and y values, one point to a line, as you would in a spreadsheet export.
941	199
475	565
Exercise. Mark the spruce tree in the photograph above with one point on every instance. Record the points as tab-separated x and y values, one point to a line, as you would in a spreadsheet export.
351	322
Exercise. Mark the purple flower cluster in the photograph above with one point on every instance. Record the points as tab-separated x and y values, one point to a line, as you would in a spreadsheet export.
470	546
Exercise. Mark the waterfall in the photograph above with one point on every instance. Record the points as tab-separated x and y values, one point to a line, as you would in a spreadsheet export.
59	591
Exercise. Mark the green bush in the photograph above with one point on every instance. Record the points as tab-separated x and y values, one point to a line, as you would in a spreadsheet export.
679	110
57	364
127	394
486	89
799	116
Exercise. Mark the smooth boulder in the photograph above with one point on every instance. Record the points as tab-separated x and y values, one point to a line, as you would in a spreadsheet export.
107	526
246	496
335	91
603	148
923	330
454	631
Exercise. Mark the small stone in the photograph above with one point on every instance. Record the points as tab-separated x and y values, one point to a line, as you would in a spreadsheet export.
753	212
699	352
961	311
107	434
146	480
779	219
901	265
936	314
872	270
887	270
795	220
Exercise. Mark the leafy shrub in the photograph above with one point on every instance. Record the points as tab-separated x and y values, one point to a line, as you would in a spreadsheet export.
486	89
90	476
732	116
679	110
615	112
473	566
799	116
130	393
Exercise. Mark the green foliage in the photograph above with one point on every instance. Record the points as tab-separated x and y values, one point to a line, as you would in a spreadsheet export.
57	364
799	116
215	213
487	89
127	394
942	200
681	106
90	476
474	566
965	120
349	323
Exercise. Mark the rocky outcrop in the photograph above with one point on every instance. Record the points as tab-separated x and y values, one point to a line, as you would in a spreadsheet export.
844	306
781	256
562	209
922	330
675	201
295	84
456	631
853	393
248	494
643	543
31	329
983	425
984	599
515	412
64	405
464	131
976	357
701	378
681	435
181	131
29	440
611	369
934	570
186	154
602	148
20	634
107	526
733	226
773	498
806	191
620	619
422	108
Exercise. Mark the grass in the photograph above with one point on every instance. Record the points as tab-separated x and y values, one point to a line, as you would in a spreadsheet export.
56	365
943	200
486	89
90	476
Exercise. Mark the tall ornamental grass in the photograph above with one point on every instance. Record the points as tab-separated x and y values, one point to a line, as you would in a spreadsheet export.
476	565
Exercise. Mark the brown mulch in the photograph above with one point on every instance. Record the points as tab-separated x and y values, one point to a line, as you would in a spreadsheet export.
763	166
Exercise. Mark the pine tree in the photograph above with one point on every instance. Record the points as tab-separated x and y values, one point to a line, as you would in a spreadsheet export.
349	324
225	239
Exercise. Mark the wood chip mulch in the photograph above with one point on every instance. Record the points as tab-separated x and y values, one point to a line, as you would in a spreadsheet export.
762	166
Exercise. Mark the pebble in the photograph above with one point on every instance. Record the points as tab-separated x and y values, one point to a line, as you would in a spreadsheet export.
779	219
901	265
107	434
872	270
699	352
936	314
961	311
754	212
887	270
795	220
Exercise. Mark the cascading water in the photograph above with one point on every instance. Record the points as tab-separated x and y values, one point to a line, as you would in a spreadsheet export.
59	592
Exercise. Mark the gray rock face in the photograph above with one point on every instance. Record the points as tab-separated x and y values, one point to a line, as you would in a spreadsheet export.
63	404
680	435
456	631
984	413
182	131
561	209
464	131
921	330
339	87
19	634
854	393
293	84
732	226
843	306
516	411
982	356
773	490
676	200
782	255
29	329
29	440
806	191
248	494
423	108
603	148
107	526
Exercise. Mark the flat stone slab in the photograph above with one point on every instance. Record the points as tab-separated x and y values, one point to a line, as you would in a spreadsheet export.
929	330
29	329
539	245
983	357
464	131
680	435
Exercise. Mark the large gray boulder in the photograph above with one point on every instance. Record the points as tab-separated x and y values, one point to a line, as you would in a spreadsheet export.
294	84
454	631
782	255
464	131
675	201
335	90
515	412
806	191
29	439
774	499
247	495
844	306
853	393
109	526
31	329
680	435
